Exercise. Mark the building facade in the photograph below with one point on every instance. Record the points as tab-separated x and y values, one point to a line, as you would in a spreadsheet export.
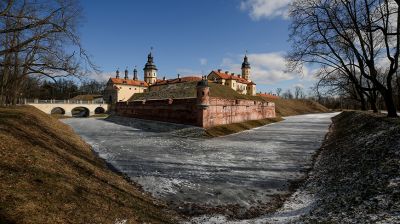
202	110
240	83
121	89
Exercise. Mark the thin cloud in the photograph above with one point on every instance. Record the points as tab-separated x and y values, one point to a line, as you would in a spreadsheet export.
267	68
266	9
203	61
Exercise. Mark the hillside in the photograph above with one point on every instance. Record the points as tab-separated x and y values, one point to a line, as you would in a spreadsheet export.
188	89
356	177
284	107
290	107
49	174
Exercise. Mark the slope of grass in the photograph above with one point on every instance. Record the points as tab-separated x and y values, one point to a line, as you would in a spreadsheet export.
227	129
48	174
188	90
357	174
286	107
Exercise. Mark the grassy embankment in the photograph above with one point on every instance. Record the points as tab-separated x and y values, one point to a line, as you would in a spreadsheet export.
357	173
48	174
283	107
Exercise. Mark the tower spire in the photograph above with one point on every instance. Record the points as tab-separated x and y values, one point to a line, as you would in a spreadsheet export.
126	73
117	73
150	69
246	67
135	74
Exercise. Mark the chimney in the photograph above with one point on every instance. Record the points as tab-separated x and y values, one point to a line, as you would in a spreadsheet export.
163	78
226	72
239	76
219	70
179	76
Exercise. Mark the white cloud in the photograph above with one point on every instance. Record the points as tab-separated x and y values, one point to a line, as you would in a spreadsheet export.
266	68
187	71
103	76
298	85
203	61
259	9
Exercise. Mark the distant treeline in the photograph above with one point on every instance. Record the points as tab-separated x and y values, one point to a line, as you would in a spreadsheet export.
62	89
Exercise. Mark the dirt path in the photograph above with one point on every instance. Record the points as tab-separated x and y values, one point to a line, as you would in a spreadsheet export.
236	175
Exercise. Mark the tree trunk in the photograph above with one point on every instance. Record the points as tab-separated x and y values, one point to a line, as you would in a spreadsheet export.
362	100
389	102
373	106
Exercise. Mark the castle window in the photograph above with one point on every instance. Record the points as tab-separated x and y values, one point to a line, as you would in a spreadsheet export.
203	93
130	88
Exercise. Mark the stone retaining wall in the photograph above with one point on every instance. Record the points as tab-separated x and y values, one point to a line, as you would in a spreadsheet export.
202	111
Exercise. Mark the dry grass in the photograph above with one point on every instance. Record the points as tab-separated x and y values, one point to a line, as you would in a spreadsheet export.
48	174
356	176
285	107
238	127
188	90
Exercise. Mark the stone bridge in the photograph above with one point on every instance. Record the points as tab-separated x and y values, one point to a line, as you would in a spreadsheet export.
80	108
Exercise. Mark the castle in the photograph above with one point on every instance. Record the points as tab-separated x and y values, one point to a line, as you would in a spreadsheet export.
122	89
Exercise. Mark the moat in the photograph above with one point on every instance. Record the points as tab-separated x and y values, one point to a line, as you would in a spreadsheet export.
175	164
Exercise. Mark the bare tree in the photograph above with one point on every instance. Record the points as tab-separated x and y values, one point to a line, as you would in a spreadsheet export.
298	92
278	91
39	38
287	94
350	36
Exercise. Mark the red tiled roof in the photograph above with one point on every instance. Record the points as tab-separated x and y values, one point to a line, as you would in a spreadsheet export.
178	80
266	95
224	75
129	82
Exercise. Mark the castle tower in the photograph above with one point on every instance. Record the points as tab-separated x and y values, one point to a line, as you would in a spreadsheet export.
203	101
126	73
117	74
203	93
150	70
246	68
135	74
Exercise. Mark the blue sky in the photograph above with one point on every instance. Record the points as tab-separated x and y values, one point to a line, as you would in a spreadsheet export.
191	37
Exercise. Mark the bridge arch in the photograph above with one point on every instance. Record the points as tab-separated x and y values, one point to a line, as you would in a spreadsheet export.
80	111
99	110
57	110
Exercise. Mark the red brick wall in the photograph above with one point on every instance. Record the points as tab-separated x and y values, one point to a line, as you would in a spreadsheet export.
181	111
186	111
226	111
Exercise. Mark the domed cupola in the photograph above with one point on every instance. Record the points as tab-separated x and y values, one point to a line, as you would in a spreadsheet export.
245	63
246	68
150	70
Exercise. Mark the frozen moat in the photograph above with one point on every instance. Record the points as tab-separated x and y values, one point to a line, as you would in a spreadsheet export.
173	163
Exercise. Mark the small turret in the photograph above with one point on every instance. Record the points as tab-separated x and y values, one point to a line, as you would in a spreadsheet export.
126	73
203	93
135	77
117	74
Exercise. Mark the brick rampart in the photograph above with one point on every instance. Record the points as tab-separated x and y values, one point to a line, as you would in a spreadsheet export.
203	111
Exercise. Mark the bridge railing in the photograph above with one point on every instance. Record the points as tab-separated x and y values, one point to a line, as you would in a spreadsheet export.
29	101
